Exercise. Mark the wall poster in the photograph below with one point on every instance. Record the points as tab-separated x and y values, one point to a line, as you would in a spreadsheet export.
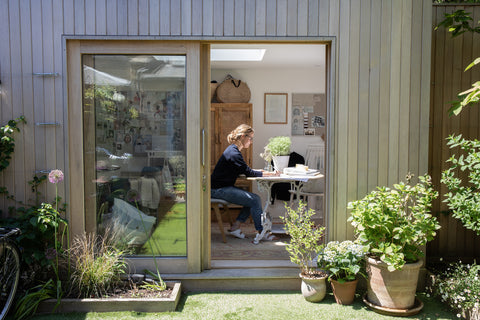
308	114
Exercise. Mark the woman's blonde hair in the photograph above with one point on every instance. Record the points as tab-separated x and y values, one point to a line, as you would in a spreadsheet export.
239	132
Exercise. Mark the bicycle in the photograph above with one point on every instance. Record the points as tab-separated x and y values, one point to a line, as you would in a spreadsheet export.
9	269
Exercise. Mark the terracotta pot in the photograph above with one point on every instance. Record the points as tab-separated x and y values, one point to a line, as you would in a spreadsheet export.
313	289
344	293
396	289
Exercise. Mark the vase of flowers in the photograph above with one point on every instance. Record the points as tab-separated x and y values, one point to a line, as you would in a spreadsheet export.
342	261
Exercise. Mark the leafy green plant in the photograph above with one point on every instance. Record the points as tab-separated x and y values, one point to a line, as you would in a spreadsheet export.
458	23
342	260
459	287
463	198
305	237
7	143
394	223
28	304
276	146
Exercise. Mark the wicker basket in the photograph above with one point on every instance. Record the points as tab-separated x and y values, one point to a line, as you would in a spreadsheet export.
232	90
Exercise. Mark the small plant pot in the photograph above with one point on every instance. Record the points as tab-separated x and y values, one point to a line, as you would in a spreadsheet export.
344	293
280	162
313	289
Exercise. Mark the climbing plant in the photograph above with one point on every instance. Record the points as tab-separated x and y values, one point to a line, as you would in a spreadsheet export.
7	143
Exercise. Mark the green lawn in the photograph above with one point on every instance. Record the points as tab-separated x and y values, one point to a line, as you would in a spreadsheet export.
263	305
169	237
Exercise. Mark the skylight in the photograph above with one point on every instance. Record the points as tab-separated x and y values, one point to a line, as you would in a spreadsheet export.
237	54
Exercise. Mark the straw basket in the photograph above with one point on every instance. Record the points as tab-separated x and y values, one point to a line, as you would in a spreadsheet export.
232	90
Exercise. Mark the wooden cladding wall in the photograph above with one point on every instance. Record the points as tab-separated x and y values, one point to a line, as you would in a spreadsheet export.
379	103
450	56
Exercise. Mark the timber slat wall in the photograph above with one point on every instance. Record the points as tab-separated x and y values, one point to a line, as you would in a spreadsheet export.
450	57
381	77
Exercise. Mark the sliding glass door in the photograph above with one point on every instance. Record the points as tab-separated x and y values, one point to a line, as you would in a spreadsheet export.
137	116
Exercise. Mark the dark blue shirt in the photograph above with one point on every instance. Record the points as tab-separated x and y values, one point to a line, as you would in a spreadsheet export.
230	165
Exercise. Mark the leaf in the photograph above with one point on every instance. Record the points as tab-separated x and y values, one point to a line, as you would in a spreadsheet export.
475	62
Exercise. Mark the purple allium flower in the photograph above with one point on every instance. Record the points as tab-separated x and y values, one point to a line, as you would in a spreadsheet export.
55	176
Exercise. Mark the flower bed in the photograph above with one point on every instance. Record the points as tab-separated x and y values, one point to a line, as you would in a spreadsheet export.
459	287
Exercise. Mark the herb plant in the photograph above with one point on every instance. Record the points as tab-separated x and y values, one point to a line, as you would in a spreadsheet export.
277	146
394	223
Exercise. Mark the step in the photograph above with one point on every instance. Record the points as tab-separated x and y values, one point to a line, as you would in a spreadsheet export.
230	278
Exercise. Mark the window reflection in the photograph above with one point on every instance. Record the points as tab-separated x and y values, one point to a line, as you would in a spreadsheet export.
134	133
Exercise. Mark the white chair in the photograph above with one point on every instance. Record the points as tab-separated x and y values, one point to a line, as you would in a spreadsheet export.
314	159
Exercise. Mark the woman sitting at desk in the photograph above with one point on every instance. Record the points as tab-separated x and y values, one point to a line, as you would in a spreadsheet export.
230	165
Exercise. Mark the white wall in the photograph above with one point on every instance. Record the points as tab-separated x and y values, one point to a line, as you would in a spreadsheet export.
263	80
260	81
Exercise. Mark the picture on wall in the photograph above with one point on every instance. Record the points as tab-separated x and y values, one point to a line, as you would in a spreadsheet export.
276	108
308	114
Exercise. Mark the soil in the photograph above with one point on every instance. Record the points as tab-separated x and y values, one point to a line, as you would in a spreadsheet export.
141	293
131	290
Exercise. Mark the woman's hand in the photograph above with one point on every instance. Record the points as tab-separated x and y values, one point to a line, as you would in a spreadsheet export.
271	174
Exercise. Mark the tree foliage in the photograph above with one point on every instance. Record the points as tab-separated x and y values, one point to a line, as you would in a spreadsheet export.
458	23
463	197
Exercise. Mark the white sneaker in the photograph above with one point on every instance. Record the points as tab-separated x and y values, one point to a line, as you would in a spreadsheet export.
237	233
257	239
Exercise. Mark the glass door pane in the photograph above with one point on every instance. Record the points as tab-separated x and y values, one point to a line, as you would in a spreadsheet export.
134	149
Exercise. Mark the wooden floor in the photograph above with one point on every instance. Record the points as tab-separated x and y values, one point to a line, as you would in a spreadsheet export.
244	249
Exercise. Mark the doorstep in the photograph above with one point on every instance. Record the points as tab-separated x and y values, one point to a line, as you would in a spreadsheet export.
233	275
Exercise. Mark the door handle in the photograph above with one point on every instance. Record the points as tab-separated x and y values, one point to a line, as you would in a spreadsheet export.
203	147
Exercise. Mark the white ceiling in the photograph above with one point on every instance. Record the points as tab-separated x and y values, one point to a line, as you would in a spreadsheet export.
276	56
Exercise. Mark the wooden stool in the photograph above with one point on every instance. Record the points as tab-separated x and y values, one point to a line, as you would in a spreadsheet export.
216	204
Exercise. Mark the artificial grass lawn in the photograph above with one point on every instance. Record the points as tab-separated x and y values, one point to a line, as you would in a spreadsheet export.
263	305
169	237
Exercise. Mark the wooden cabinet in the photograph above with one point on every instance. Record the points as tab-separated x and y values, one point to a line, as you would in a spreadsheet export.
224	118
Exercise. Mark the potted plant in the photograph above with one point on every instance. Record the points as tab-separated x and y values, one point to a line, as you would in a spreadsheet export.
342	261
394	224
278	150
305	244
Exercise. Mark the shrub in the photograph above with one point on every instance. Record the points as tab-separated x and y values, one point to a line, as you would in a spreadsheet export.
305	237
394	223
463	197
459	287
342	260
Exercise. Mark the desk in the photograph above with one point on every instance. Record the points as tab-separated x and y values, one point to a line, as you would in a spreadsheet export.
265	184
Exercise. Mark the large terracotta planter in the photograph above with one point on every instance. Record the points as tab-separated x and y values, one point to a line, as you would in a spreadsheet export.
313	289
344	293
396	289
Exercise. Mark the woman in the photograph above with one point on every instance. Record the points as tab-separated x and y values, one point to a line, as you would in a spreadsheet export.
230	165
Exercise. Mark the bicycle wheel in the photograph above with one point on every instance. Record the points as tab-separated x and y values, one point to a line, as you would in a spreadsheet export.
9	275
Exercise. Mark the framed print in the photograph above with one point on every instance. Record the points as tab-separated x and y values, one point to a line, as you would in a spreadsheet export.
276	108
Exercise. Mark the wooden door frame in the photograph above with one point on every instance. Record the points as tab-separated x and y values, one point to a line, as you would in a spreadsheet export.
330	66
79	223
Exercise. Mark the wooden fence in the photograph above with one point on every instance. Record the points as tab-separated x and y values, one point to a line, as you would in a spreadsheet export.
450	56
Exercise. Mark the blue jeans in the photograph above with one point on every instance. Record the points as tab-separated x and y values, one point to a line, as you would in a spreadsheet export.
251	202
